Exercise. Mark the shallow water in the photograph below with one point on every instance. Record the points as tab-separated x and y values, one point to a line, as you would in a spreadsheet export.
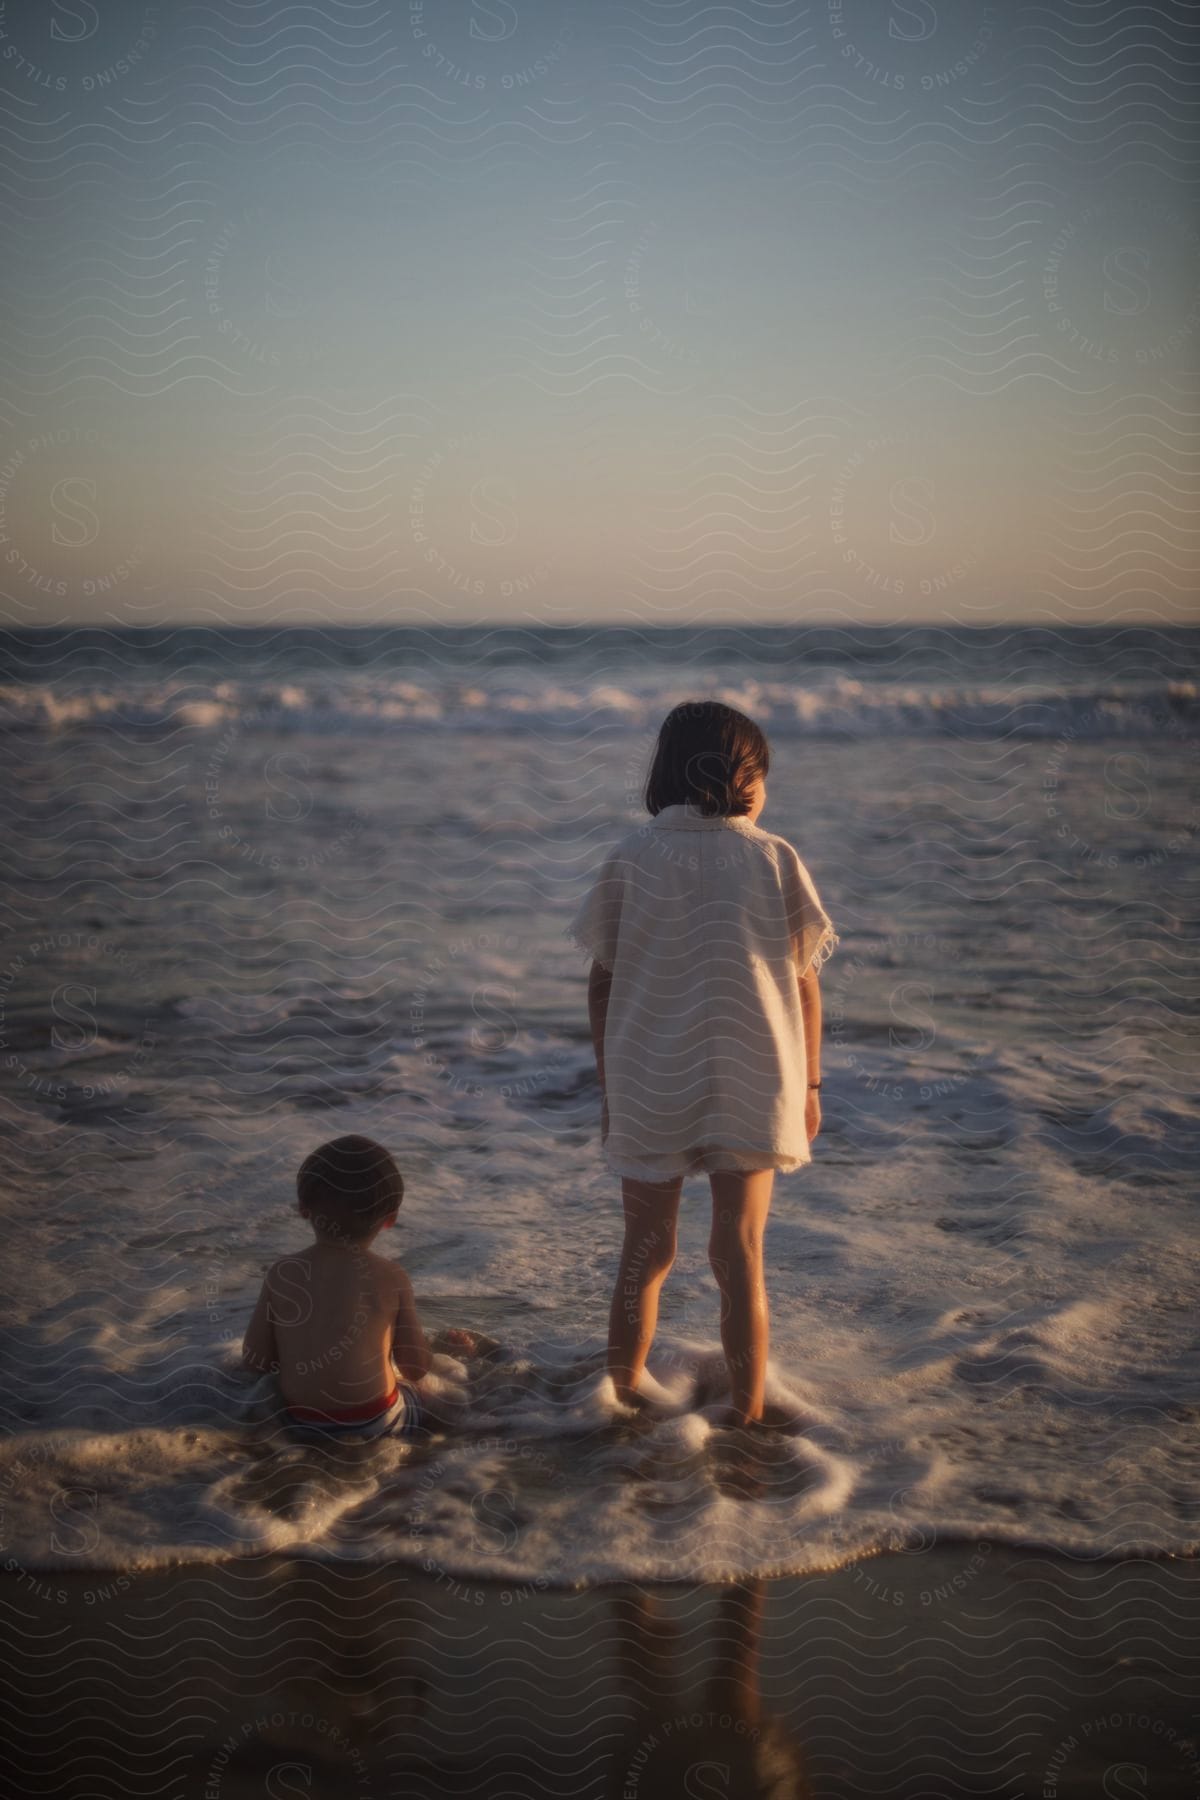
235	929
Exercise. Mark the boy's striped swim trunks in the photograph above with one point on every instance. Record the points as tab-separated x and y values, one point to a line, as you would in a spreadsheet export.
396	1416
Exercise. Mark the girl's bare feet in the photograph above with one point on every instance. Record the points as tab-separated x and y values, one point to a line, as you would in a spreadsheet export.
732	1418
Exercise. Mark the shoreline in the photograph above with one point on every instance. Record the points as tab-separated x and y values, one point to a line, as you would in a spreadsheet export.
974	1550
1015	1671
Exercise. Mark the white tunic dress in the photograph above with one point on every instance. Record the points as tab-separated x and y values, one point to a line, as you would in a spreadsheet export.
706	925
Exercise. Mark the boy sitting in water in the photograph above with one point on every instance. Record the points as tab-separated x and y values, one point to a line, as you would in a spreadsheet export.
335	1321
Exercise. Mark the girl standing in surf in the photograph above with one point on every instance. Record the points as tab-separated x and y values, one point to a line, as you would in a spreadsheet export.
706	935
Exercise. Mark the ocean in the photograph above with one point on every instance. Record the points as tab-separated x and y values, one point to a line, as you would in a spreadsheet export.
265	887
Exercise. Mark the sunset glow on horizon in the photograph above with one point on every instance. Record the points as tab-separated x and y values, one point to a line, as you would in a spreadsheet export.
441	313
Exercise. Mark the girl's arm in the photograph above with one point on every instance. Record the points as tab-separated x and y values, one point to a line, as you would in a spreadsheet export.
599	988
810	1007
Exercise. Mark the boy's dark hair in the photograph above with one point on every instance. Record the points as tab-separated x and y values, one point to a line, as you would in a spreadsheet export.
709	756
348	1187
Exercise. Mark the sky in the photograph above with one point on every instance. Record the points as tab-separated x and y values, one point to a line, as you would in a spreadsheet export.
449	311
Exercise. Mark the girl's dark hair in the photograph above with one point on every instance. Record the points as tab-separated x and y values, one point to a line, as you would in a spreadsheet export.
709	756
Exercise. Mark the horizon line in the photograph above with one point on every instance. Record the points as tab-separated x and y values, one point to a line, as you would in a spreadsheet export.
601	625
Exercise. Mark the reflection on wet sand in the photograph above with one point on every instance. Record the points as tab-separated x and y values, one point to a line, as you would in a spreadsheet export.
716	1742
942	1672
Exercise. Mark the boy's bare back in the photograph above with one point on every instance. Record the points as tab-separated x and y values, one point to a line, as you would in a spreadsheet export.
336	1321
333	1318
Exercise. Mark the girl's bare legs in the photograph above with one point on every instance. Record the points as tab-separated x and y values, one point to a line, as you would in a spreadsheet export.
735	1250
651	1212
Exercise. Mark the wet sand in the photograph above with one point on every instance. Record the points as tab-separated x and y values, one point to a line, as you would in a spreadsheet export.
968	1668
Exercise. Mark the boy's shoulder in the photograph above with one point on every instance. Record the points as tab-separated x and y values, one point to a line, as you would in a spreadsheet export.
386	1270
392	1276
290	1259
383	1268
